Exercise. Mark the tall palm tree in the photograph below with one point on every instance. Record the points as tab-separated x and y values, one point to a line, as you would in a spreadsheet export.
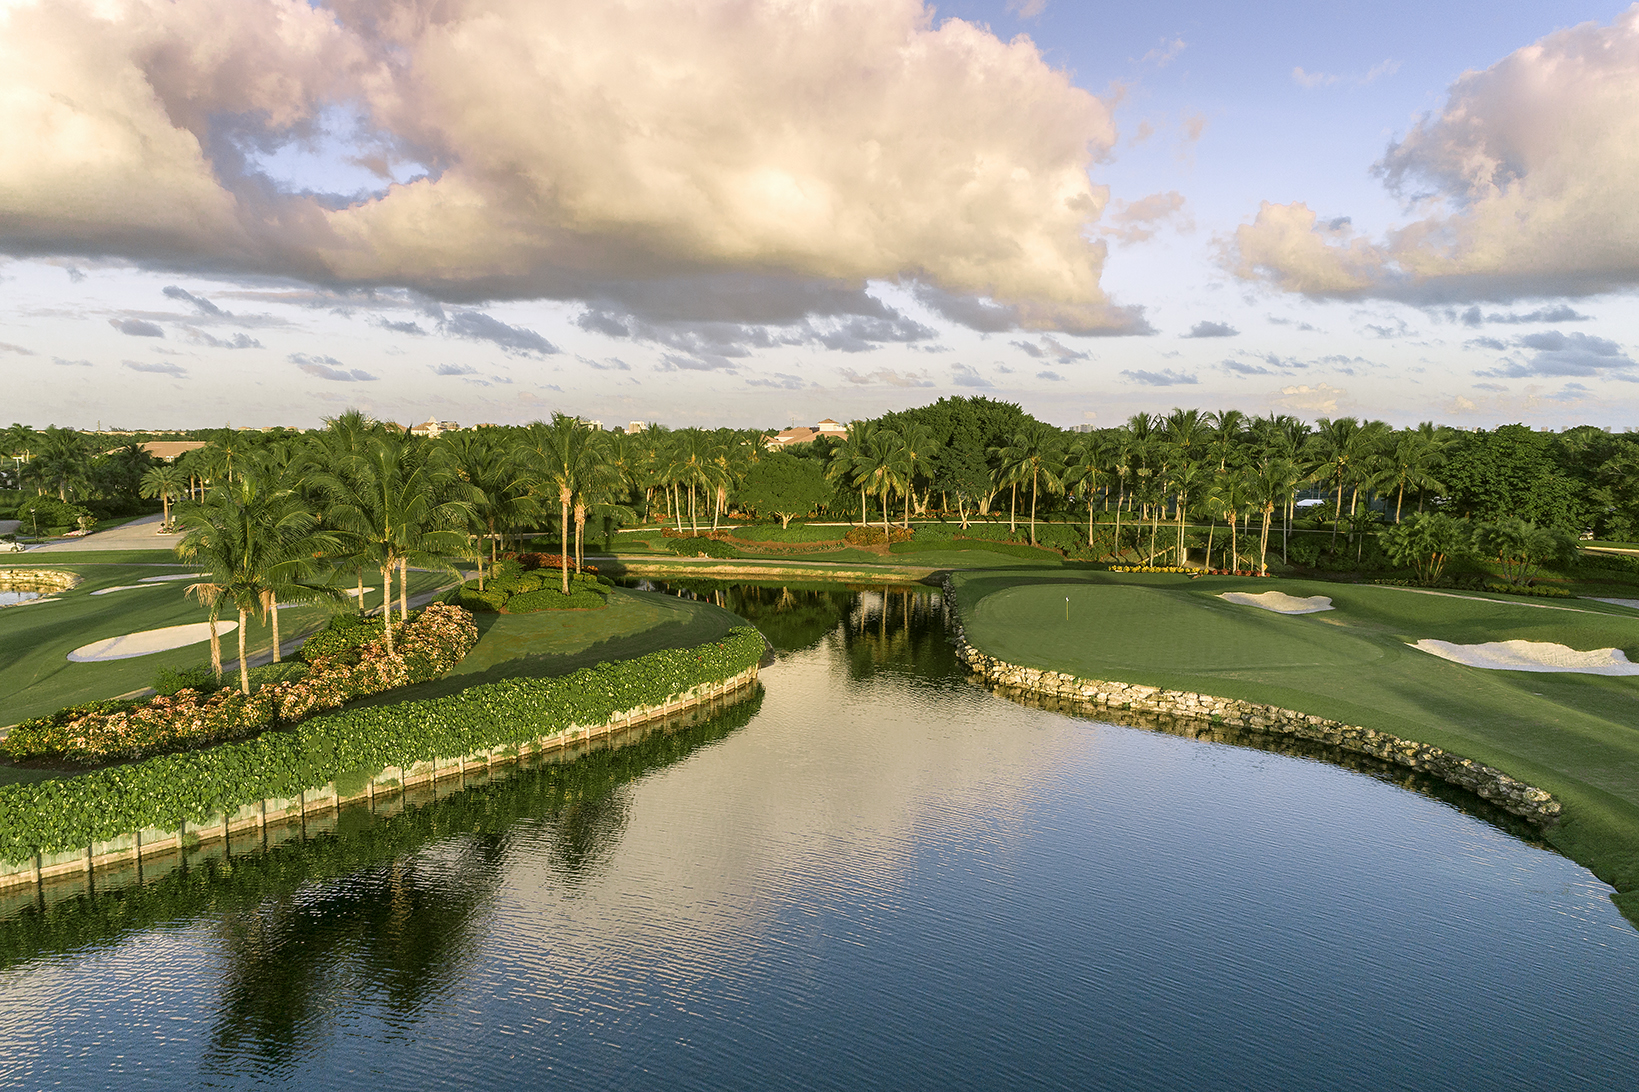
849	463
1085	460
1035	454
1267	485
61	462
560	459
165	482
253	542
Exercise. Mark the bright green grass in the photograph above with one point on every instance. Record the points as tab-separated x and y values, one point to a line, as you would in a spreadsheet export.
552	643
35	639
1575	735
797	532
53	559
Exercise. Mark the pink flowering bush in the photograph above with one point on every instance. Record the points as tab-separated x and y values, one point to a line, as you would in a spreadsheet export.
426	647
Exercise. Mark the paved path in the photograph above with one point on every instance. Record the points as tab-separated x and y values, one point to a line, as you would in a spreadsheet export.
139	534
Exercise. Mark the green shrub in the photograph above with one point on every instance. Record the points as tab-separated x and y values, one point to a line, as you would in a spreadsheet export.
875	536
49	816
580	598
48	513
335	640
170	680
695	547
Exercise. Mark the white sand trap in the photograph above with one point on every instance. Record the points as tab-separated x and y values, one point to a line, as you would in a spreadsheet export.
148	641
1532	656
121	587
1280	602
162	579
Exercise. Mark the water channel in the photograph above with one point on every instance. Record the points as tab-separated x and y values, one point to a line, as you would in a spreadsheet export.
872	874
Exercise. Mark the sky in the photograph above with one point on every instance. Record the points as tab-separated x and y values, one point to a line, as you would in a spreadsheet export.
759	213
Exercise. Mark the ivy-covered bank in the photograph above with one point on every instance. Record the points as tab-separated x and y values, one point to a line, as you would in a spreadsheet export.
348	749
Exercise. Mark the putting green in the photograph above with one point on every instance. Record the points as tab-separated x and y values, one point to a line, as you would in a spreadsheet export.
1576	735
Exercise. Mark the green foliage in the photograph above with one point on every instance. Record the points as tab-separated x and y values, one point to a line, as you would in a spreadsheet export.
1509	473
171	680
57	815
347	632
785	486
585	593
796	532
48	513
696	547
1521	547
1426	541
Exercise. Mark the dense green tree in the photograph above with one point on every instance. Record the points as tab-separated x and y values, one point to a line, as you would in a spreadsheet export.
786	486
1510	472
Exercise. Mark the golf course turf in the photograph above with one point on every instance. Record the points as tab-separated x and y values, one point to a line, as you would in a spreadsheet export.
1575	735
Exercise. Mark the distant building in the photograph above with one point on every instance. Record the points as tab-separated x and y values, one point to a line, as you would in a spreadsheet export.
807	435
1083	428
432	429
633	427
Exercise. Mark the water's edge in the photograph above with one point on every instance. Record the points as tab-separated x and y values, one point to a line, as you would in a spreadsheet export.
1534	805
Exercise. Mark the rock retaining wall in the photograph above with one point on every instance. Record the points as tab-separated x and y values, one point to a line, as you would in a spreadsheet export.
1532	804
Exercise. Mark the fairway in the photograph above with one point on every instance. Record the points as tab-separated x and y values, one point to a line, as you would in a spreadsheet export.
1575	735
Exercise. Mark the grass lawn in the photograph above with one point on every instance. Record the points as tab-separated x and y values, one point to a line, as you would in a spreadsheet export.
555	642
35	638
1575	735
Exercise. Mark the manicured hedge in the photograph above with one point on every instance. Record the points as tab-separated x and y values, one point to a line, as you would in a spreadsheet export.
694	547
1007	549
876	536
347	748
425	648
527	592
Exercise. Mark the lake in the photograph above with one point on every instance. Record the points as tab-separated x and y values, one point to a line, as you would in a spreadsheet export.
873	874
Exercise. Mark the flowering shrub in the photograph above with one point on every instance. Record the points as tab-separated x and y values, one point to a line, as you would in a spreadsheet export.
424	648
1181	569
532	562
874	536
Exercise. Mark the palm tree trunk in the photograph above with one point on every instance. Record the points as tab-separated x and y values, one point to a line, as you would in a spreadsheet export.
1212	530
1337	516
1033	487
1013	512
244	668
1399	500
273	614
387	605
1119	498
404	589
563	552
864	516
886	536
216	650
1089	519
1263	545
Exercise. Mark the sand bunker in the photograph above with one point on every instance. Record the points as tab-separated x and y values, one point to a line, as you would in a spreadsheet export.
161	579
148	641
1280	602
121	587
1532	656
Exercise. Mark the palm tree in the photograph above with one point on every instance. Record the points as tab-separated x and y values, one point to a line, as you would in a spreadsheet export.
887	469
560	460
498	490
250	540
61	462
1033	454
1267	485
167	483
1086	459
1339	447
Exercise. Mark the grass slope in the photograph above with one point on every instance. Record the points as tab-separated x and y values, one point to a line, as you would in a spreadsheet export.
551	643
1575	735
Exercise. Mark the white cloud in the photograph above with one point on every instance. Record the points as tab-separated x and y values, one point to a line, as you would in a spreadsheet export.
1322	399
664	138
1136	221
1523	185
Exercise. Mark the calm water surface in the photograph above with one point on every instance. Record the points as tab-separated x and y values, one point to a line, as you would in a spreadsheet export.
874	875
10	598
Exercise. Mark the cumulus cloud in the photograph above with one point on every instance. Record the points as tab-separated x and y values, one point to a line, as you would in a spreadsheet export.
1473	316
454	369
1166	377
1050	376
18	349
1522	184
137	327
778	381
175	371
943	154
1556	353
887	376
328	367
237	341
1207	328
412	328
965	375
1136	221
1322	399
477	326
1027	9
199	303
875	325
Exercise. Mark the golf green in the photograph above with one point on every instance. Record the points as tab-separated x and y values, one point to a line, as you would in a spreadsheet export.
1575	735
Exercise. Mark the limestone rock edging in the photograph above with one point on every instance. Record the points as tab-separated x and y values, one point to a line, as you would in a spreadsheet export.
1526	801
